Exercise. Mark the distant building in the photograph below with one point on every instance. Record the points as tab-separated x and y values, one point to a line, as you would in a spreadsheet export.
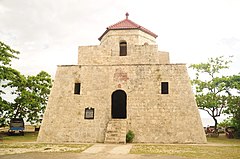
123	84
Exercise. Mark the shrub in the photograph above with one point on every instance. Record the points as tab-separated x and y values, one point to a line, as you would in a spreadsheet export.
129	137
237	134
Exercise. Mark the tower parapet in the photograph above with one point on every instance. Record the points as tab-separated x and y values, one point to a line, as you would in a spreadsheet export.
123	43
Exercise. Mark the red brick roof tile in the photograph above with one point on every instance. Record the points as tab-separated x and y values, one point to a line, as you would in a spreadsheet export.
127	24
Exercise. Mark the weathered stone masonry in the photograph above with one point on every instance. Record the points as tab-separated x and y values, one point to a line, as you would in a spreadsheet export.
101	71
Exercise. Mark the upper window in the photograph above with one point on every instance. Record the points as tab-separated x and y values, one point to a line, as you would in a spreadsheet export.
77	88
164	87
123	48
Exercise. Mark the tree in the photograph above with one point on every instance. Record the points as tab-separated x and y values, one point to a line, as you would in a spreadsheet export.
234	103
6	56
226	123
212	91
30	92
32	96
6	74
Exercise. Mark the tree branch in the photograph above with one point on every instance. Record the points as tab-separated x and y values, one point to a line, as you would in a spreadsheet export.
221	110
206	111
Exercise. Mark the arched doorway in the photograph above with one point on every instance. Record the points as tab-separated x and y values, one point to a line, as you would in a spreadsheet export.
119	104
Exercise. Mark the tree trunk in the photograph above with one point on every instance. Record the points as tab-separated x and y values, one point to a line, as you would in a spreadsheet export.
17	112
215	124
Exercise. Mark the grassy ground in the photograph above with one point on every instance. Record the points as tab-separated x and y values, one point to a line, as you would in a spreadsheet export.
223	140
19	147
27	143
216	148
28	137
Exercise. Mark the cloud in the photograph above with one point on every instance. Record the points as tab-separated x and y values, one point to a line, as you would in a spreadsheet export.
48	33
232	42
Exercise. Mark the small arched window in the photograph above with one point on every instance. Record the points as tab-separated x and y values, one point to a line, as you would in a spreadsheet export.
123	48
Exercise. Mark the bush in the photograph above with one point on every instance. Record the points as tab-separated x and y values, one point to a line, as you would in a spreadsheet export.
129	137
237	134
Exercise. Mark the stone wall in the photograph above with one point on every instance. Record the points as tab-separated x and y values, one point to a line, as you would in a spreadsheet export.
141	49
136	54
132	36
153	117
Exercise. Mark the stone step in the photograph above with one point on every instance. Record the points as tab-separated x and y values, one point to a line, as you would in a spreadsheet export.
116	131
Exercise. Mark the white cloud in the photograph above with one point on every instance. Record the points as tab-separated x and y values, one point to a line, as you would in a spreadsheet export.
190	30
48	32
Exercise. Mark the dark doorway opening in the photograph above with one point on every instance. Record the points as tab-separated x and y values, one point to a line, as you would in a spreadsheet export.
119	104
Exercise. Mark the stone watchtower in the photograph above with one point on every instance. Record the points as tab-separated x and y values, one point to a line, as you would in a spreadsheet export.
123	84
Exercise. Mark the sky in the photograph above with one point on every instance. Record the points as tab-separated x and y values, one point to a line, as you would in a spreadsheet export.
48	32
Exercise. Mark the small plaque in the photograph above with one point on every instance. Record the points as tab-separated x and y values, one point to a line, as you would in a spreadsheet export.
89	113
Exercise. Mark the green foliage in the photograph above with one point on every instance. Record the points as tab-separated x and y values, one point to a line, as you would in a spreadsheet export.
32	96
234	109
6	54
6	74
213	92
226	123
130	136
232	122
31	92
234	103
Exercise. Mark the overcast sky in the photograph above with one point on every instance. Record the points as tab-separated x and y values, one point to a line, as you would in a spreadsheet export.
48	32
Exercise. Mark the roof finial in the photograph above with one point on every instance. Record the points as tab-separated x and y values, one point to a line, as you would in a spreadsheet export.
127	15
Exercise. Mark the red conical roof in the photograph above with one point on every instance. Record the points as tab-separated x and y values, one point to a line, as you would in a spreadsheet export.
127	24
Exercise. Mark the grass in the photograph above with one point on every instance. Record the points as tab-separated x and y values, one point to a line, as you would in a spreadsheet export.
217	148
210	152
223	140
28	137
14	148
27	143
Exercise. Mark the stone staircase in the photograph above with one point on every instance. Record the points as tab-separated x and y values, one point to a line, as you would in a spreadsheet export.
116	131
